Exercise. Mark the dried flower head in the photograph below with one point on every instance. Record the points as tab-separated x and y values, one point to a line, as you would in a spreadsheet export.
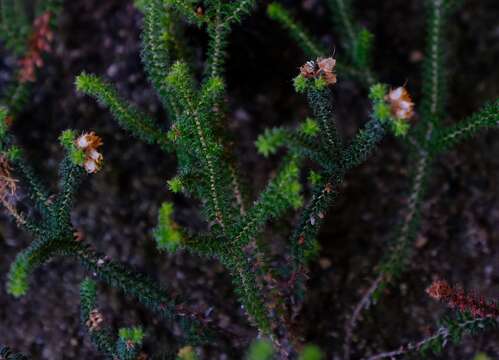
326	69
95	320
89	142
476	305
322	68
39	43
439	289
401	103
309	69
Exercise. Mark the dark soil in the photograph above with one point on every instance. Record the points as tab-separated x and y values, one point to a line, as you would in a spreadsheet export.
117	208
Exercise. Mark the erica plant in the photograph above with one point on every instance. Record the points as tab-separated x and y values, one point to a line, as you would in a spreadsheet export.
316	159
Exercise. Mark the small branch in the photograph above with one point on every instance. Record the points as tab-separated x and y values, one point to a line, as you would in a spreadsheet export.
352	322
442	332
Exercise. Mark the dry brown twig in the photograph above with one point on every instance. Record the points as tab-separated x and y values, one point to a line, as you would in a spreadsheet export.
8	190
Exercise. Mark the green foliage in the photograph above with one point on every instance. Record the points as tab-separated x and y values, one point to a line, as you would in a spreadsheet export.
13	153
282	193
309	127
100	335
167	233
141	4
134	334
129	117
358	42
175	185
88	293
300	142
428	139
446	138
320	102
260	350
194	100
303	239
15	96
363	48
314	178
269	142
452	329
434	79
18	278
342	18
378	92
236	11
161	38
40	251
431	139
15	25
35	189
67	140
311	352
16	29
3	124
218	16
300	83
221	16
139	286
481	356
188	9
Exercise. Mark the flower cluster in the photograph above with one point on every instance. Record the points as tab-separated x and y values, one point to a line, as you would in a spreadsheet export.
323	68
476	305
39	43
401	103
88	143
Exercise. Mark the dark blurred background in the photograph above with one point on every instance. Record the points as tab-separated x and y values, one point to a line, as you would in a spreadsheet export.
117	208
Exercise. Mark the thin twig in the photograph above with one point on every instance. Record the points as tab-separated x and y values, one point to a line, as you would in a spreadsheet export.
352	322
442	332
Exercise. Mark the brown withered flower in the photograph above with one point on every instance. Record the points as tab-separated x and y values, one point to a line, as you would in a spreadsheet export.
89	142
308	69
326	69
401	103
322	68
